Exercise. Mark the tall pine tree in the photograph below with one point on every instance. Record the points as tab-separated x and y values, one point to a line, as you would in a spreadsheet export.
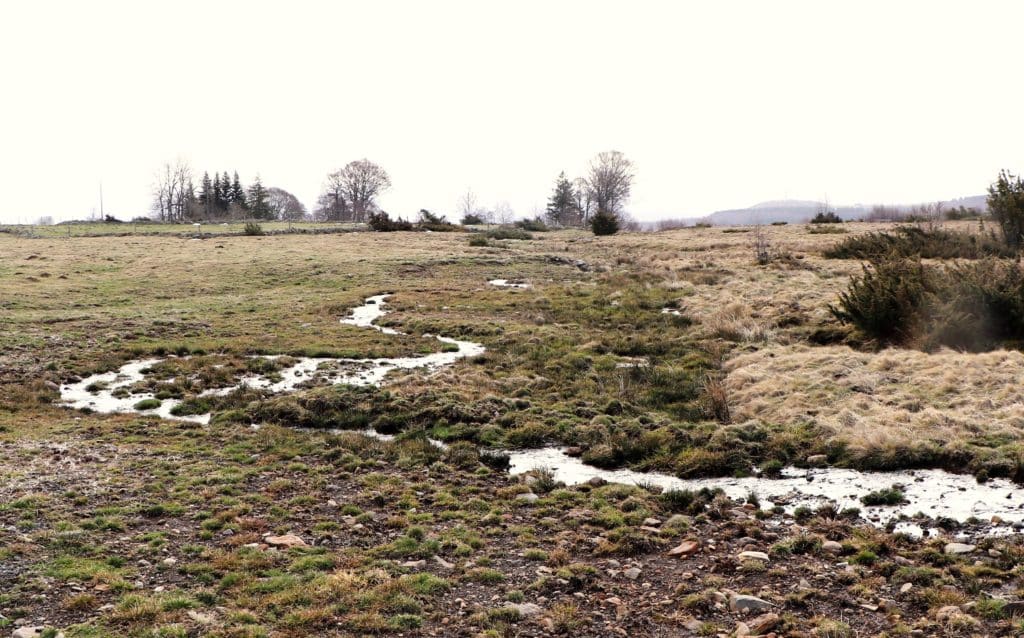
562	209
237	192
259	205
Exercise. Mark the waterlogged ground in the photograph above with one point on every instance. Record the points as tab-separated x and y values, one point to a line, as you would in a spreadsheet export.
652	355
110	392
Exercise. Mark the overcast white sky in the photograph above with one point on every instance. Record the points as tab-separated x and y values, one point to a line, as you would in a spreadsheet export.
719	104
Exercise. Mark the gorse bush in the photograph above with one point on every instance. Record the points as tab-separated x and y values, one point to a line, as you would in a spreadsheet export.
382	223
604	223
976	306
827	218
508	232
536	225
252	228
911	241
1006	204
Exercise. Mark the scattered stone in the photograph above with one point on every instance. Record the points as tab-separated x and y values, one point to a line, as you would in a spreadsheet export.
959	548
906	587
528	497
764	623
286	541
651	522
443	563
414	564
200	617
526	610
597	481
632	573
685	548
170	560
754	556
817	460
832	547
32	632
745	604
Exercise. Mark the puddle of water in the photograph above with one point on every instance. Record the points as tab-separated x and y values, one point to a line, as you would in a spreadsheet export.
935	493
671	311
505	283
360	372
76	395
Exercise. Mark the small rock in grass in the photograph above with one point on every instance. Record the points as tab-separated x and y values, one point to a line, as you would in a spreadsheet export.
754	556
632	573
959	548
526	610
286	540
685	548
746	604
528	497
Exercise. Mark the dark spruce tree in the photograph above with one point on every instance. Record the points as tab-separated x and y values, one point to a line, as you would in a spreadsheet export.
237	192
562	209
258	203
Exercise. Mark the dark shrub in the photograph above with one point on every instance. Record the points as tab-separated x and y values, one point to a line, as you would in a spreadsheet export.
910	241
975	306
536	225
252	228
604	223
828	217
382	223
472	219
508	232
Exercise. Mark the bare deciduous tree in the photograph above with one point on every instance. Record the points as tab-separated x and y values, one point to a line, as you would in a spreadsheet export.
503	213
584	203
350	193
284	205
609	181
172	191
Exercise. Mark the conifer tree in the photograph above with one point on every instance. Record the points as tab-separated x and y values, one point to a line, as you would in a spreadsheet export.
259	206
237	192
562	209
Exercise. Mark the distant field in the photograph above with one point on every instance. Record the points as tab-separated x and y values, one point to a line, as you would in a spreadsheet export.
92	229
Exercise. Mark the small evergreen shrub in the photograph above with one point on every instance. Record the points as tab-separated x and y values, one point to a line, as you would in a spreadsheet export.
604	223
382	223
827	217
252	228
911	241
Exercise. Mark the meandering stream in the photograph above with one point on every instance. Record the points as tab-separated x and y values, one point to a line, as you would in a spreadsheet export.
935	493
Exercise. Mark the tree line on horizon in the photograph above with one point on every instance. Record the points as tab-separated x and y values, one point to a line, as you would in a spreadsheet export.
350	194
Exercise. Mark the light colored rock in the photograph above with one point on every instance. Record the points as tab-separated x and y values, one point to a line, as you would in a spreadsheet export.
817	460
632	573
754	556
200	617
32	632
528	497
745	604
832	547
651	522
959	548
286	541
526	610
685	548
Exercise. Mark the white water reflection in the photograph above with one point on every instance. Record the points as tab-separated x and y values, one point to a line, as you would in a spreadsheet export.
504	283
935	493
98	391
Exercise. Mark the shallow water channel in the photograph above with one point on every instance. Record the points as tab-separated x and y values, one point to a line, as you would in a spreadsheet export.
935	493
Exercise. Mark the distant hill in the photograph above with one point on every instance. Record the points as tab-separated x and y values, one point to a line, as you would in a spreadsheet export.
796	211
